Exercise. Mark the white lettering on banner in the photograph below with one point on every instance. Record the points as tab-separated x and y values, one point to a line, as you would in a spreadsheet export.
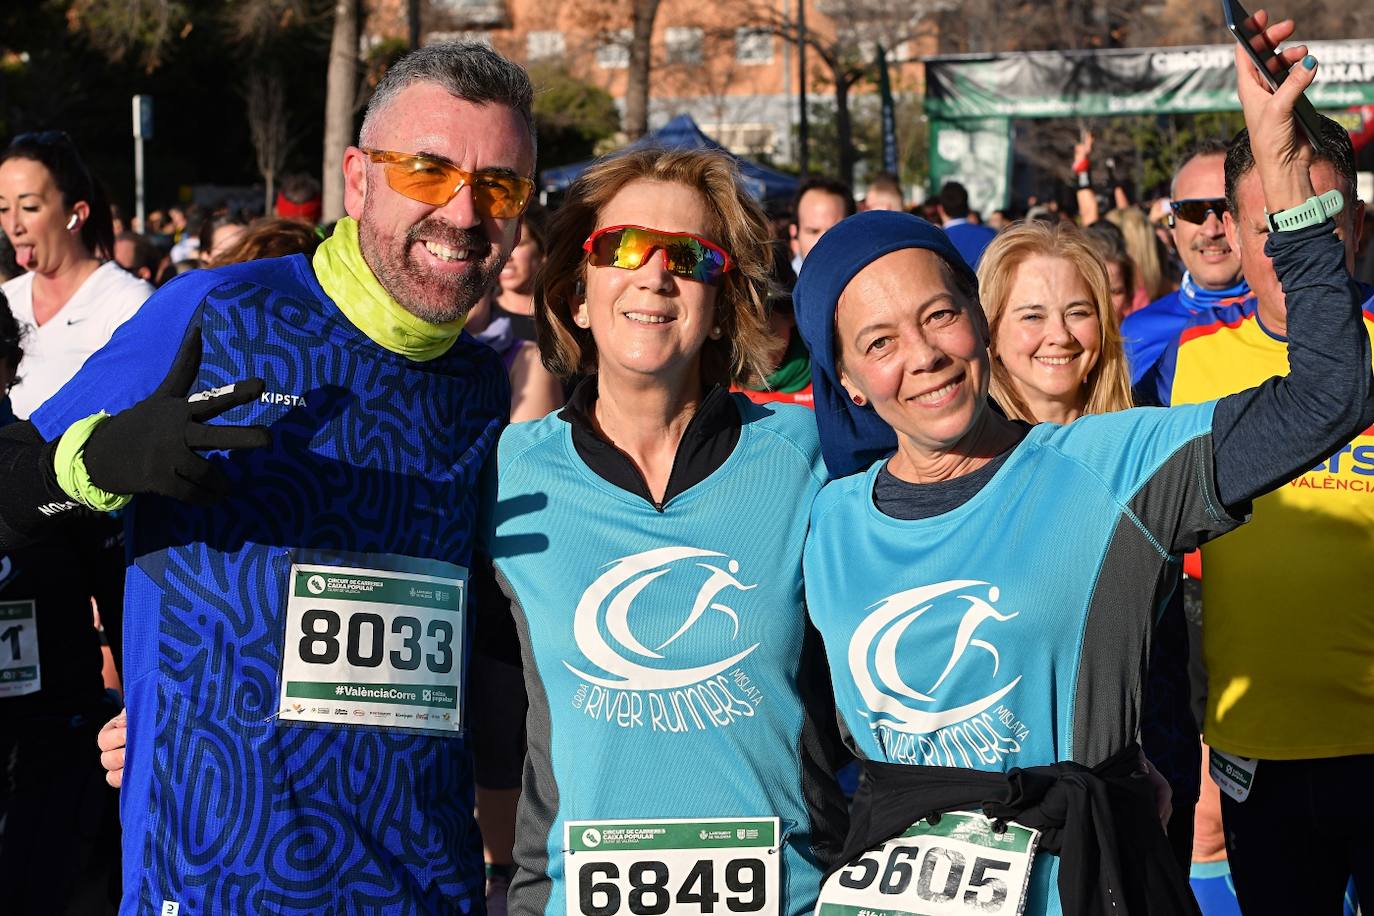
925	726
1217	58
669	691
1348	73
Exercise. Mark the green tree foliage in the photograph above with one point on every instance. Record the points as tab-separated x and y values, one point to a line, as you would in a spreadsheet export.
1158	143
144	29
572	116
54	73
913	138
1143	150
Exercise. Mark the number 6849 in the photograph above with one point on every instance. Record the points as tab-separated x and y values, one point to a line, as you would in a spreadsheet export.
647	890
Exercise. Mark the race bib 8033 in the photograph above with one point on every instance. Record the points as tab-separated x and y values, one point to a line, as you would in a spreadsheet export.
371	646
959	866
689	867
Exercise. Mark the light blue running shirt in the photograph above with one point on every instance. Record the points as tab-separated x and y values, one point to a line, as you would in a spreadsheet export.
671	669
1013	630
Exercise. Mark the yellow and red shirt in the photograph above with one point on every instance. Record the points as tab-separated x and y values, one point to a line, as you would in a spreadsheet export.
1288	614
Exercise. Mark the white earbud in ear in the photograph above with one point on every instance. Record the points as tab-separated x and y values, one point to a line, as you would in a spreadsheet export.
71	223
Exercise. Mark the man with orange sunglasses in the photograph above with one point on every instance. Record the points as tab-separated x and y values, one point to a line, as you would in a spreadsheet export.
296	612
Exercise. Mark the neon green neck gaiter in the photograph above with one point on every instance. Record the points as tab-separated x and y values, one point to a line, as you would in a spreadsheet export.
346	278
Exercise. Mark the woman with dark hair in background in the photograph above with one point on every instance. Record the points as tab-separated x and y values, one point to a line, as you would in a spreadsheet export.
217	235
1110	244
59	824
266	237
535	392
73	295
515	299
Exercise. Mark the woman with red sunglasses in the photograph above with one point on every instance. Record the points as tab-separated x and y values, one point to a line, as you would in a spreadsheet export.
649	539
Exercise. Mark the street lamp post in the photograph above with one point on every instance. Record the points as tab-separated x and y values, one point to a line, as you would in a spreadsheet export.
803	127
143	130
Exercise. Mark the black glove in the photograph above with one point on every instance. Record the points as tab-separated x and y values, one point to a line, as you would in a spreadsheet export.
149	448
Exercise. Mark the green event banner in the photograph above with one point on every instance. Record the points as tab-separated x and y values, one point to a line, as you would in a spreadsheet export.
1180	80
975	152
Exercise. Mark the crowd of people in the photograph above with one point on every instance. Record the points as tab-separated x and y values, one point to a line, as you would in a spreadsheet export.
650	555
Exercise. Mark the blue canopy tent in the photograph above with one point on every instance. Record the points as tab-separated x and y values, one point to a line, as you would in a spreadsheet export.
683	133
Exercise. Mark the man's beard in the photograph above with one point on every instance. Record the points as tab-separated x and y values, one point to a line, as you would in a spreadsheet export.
436	298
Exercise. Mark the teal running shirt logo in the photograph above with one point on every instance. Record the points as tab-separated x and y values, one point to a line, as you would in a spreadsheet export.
948	633
661	630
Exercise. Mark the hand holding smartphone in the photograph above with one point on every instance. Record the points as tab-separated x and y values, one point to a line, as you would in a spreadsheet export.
1270	87
1242	26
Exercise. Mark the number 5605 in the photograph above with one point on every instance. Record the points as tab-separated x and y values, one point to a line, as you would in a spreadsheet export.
896	876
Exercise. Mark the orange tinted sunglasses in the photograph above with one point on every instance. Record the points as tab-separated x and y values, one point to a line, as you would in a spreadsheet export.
435	182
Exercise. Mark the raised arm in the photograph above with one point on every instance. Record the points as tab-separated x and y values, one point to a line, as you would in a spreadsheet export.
1269	434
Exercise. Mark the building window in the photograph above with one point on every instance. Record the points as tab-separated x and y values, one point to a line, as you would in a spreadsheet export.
613	52
753	46
683	44
473	14
544	45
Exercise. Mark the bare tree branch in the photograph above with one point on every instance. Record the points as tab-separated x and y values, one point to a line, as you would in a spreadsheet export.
268	125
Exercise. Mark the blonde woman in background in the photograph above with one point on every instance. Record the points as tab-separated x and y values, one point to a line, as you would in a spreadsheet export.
1055	339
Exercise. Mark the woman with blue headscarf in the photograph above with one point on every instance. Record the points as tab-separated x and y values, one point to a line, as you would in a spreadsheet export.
985	588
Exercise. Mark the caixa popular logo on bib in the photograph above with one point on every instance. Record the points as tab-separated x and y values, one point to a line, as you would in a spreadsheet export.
660	633
930	675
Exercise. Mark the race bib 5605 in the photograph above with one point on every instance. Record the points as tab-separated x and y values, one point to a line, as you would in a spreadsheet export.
961	865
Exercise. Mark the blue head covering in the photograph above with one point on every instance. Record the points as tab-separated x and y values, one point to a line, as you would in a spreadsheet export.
854	437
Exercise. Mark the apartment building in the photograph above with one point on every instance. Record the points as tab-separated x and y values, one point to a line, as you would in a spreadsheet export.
733	67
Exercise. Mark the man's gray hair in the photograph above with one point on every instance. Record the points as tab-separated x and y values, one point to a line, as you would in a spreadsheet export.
468	70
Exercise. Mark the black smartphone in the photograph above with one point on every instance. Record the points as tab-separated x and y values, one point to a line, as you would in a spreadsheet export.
1270	67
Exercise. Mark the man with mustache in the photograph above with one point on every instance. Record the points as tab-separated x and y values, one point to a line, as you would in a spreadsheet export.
1212	279
295	653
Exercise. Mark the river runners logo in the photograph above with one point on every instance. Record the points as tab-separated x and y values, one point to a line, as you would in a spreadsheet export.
663	683
956	711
